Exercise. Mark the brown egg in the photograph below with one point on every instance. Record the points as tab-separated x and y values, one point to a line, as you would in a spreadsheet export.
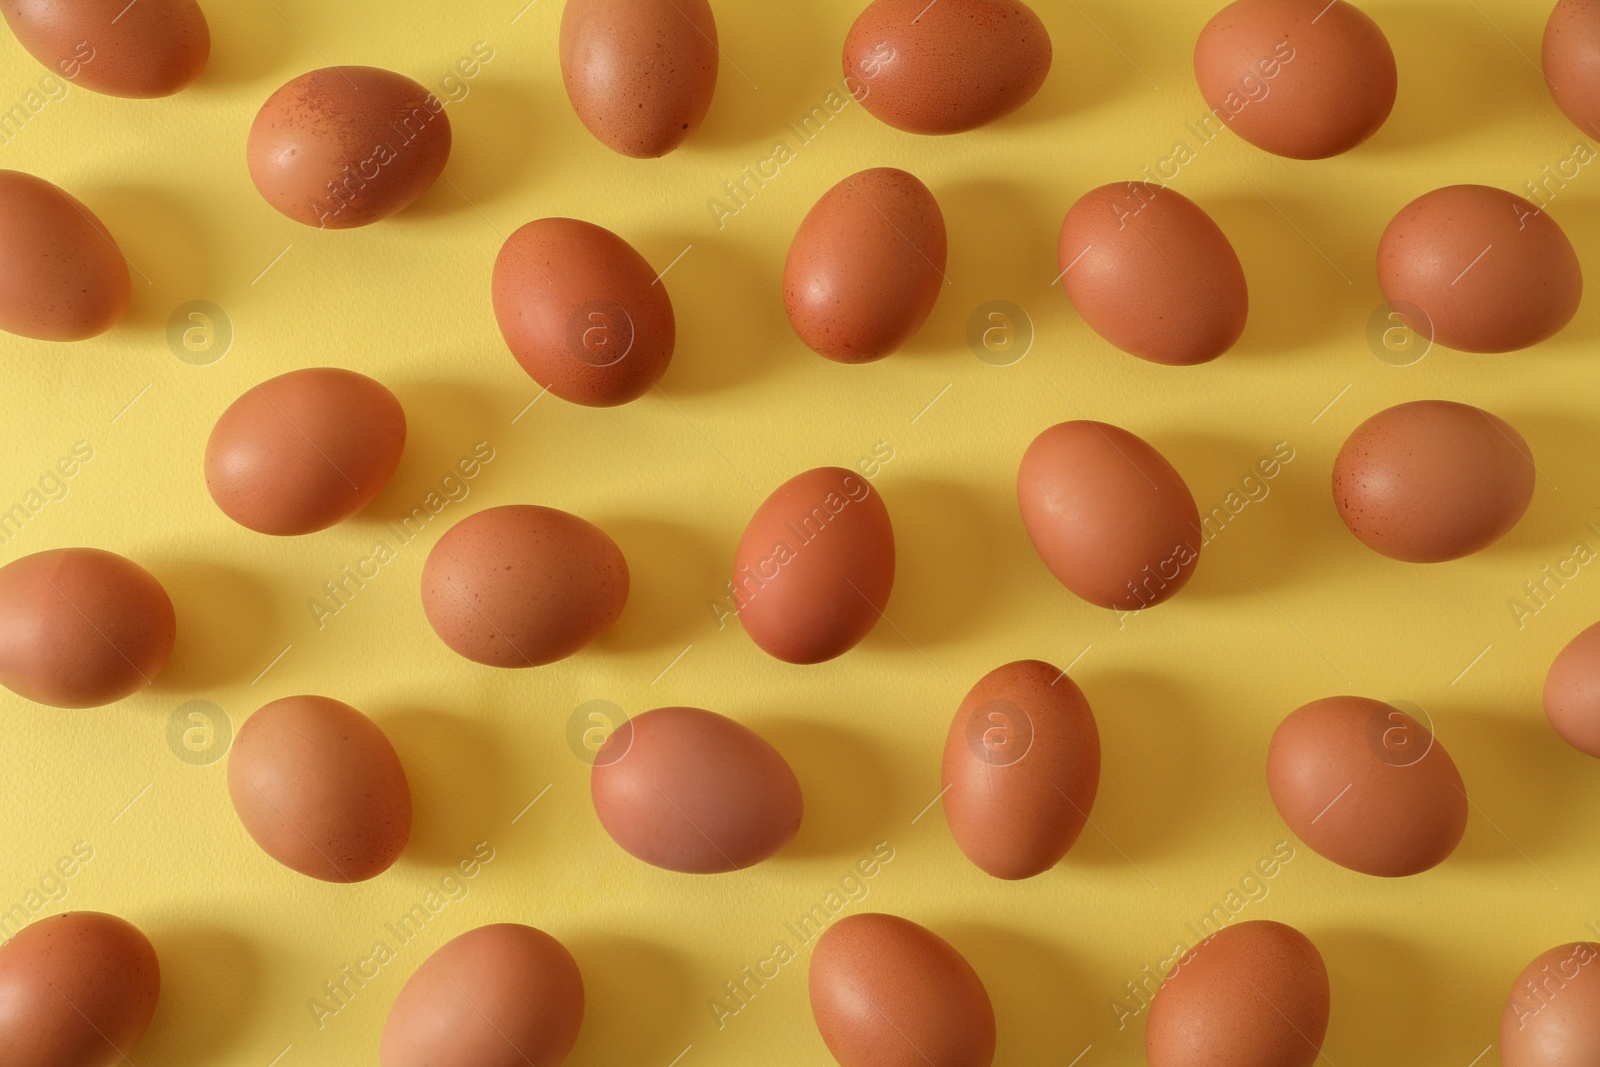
80	627
305	450
1571	55
1151	273
76	990
945	67
144	49
1552	1016
1307	79
1572	692
1479	269
583	312
640	73
814	568
1253	995
1021	767
347	146
688	790
888	993
498	996
1366	786
1432	480
319	787
62	276
865	266
1108	515
522	585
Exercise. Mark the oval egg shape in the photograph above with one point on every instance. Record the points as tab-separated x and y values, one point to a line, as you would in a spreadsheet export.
886	992
146	49
1571	55
583	312
1572	692
523	585
347	146
503	995
1552	1015
814	569
1479	269
945	67
639	73
865	267
62	276
1151	273
320	789
1255	994
1021	769
76	990
81	627
1367	786
1109	516
1306	79
1432	480
305	450
692	791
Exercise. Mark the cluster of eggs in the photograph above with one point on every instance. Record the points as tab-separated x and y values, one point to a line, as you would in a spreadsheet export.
319	787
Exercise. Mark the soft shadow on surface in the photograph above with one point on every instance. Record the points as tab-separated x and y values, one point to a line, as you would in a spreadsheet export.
848	783
642	1001
456	768
1098	58
494	130
169	255
727	300
248	45
226	625
760	88
674	573
210	979
445	423
1043	1012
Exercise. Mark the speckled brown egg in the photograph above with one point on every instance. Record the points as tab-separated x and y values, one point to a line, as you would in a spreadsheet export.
948	66
320	789
522	585
504	995
1552	1015
145	48
1432	480
640	73
80	627
866	266
305	450
583	312
1150	272
886	992
689	790
814	569
1367	786
1571	54
1572	692
76	990
1479	269
1108	514
62	276
347	146
1307	79
1254	995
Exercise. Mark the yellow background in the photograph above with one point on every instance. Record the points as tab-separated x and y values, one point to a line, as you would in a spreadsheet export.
1286	606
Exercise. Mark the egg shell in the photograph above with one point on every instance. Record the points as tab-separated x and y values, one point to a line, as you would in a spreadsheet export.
1109	516
945	67
1552	1015
815	566
504	995
76	990
81	627
1572	692
1432	480
62	276
583	312
145	49
865	267
1571	61
523	585
1021	768
1253	995
692	791
1307	79
886	992
639	73
1367	786
347	146
320	789
1479	269
1151	273
305	450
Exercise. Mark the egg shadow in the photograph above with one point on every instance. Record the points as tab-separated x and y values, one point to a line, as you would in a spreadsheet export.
210	979
249	45
639	1000
1043	1012
848	782
674	573
227	620
493	131
1578	216
167	249
1101	41
445	421
1556	515
759	88
456	768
